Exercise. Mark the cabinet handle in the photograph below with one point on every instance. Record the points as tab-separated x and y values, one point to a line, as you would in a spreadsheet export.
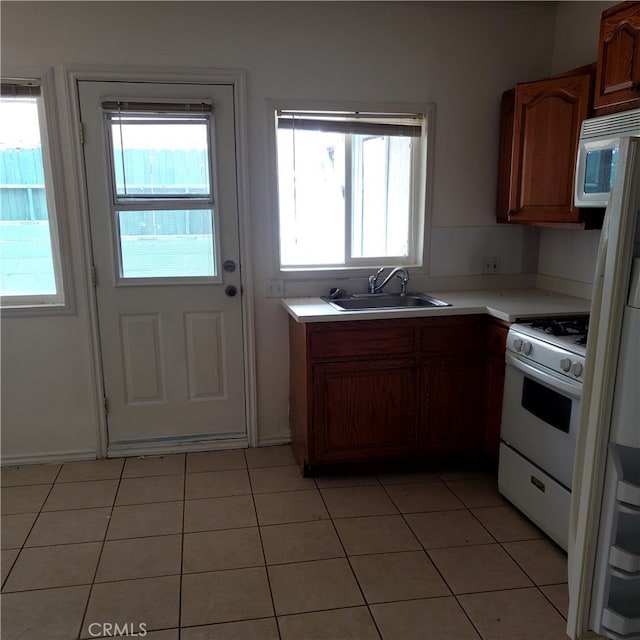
635	86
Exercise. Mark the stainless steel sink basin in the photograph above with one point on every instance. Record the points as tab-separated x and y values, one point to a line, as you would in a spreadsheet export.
385	301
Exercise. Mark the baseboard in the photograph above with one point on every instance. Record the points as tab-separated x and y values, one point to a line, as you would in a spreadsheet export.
159	447
270	441
56	457
140	449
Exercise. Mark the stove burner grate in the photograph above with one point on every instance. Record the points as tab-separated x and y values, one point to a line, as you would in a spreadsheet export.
563	326
582	340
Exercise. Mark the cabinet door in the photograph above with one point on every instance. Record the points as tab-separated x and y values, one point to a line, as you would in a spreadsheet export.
504	155
453	394
618	72
547	119
363	410
496	343
495	386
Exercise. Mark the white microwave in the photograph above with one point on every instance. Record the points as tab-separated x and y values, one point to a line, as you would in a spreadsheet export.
598	155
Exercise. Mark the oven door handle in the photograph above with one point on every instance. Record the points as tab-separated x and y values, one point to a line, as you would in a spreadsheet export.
548	378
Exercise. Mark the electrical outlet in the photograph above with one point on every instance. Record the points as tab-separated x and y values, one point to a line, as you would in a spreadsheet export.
274	289
491	265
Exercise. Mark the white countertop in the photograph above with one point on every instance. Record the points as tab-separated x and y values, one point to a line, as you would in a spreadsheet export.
506	304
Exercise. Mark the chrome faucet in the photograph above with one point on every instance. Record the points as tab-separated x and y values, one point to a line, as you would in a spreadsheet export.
401	272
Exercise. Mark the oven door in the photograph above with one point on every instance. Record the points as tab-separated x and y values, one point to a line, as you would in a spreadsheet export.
540	412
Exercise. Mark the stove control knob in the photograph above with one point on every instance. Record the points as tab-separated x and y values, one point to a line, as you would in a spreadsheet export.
565	364
577	369
526	347
517	344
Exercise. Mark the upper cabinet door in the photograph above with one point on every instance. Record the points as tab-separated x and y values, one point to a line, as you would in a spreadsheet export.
504	155
547	119
618	72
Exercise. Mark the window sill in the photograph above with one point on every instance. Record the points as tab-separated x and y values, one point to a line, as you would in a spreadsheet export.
35	310
324	273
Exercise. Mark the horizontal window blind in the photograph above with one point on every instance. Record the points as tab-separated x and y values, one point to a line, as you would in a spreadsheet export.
376	124
153	108
20	89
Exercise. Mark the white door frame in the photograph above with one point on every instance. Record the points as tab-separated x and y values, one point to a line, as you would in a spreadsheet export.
236	78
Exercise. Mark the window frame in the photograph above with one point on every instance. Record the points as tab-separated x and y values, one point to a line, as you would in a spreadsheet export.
420	215
55	195
157	202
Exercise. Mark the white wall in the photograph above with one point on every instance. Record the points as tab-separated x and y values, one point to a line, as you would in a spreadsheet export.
576	35
461	56
565	254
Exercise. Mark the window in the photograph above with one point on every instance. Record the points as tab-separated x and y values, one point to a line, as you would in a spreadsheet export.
30	267
351	188
162	190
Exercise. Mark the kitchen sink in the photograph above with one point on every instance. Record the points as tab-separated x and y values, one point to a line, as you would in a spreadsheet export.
385	301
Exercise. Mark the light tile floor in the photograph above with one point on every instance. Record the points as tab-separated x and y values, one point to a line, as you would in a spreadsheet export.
237	545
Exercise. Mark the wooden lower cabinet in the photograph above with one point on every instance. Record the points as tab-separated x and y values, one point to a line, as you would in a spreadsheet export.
385	390
364	409
496	344
495	385
452	407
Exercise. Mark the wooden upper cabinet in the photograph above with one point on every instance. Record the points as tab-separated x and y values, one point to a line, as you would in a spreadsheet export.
618	71
547	116
504	155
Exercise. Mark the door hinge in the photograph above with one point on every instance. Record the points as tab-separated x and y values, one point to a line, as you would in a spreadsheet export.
94	277
81	130
105	405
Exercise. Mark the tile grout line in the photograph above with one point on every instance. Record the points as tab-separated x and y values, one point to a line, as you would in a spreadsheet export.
348	559
104	539
435	566
413	533
184	506
66	544
522	568
33	524
546	597
266	568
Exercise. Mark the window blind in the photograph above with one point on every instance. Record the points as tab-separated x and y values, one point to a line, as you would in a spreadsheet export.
376	124
153	108
20	89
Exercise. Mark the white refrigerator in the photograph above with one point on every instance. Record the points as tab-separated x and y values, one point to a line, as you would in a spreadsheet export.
604	535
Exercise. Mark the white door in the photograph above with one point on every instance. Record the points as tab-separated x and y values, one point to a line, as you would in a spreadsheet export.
160	168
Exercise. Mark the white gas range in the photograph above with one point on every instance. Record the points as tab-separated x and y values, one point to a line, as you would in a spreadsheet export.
541	405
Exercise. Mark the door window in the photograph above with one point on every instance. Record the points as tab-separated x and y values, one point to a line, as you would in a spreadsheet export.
164	218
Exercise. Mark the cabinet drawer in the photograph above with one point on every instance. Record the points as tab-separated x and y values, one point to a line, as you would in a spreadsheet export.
543	500
454	338
361	342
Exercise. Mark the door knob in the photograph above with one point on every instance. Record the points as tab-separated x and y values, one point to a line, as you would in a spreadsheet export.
231	291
